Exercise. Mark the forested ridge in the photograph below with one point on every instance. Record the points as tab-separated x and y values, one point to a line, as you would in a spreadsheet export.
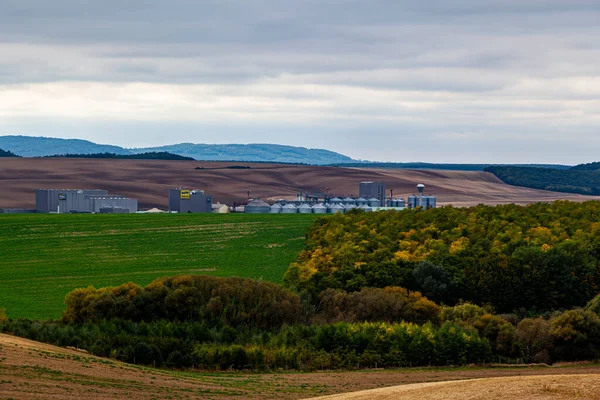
153	155
583	179
5	153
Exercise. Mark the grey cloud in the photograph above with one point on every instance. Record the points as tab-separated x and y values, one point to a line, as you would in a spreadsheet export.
465	72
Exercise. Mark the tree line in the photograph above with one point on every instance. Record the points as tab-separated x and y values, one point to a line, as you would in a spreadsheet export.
386	327
583	179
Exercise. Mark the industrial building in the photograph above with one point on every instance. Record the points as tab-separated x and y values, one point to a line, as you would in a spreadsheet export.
368	201
219	208
372	190
82	201
189	201
425	202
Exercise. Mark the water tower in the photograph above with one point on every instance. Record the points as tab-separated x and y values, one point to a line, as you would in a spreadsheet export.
420	188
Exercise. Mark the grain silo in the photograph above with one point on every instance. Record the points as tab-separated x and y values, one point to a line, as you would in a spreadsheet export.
349	200
289	209
374	202
257	206
365	208
349	207
276	208
319	209
335	208
304	208
361	201
335	200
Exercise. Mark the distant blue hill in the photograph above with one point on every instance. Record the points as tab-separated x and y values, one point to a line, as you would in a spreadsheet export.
252	152
28	146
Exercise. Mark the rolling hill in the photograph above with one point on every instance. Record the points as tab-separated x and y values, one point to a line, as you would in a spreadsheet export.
149	181
29	146
580	179
34	370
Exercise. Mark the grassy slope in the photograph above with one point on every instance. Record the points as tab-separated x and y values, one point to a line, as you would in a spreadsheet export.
43	257
33	370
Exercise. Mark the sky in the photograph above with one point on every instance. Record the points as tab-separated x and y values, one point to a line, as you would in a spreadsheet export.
468	81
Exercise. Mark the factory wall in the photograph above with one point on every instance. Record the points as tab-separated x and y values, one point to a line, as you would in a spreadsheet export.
372	189
189	201
80	201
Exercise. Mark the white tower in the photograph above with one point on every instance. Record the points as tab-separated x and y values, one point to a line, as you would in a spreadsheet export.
420	188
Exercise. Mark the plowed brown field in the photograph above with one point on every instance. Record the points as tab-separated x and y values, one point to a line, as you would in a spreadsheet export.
149	181
33	370
557	387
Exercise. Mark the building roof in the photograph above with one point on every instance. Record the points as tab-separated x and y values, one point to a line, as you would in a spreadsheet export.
258	203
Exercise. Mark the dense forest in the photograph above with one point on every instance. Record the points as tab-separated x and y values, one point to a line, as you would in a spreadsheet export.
540	257
155	155
594	166
4	153
580	179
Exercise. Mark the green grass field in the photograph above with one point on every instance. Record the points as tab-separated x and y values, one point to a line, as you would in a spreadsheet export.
43	257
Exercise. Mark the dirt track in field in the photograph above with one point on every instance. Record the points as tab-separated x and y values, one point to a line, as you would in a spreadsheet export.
563	387
149	181
33	370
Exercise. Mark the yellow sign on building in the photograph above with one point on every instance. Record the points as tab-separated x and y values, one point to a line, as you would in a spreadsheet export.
185	194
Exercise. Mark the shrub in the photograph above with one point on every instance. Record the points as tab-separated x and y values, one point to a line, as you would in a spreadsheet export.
533	339
372	304
576	335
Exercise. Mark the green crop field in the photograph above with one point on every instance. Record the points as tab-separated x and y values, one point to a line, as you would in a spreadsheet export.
43	257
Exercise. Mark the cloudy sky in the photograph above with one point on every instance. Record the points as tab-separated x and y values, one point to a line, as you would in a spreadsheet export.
444	81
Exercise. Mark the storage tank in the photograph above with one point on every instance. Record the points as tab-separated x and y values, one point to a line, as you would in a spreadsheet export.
374	202
349	200
361	201
304	209
319	209
365	208
335	208
276	208
413	201
289	209
335	200
257	206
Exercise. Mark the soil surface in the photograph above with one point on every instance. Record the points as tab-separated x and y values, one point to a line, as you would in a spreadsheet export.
149	181
33	370
522	387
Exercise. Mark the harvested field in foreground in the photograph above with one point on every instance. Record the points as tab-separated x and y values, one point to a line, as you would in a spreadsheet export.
44	257
32	370
585	386
150	180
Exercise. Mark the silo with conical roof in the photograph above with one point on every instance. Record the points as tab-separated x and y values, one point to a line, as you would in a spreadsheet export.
319	208
257	206
276	208
304	208
289	209
335	208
